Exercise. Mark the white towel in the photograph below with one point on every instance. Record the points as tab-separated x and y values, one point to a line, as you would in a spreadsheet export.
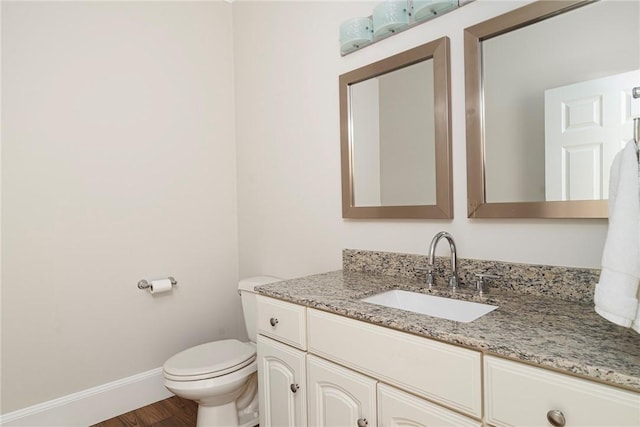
636	323
616	295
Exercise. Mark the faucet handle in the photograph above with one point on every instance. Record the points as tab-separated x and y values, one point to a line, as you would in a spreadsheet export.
453	282
480	281
429	274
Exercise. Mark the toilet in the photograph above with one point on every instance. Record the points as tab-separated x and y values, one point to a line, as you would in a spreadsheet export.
221	376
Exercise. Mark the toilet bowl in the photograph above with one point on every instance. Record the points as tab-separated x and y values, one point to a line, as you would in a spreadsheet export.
216	375
221	376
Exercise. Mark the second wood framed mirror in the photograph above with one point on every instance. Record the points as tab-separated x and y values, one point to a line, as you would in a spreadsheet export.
541	133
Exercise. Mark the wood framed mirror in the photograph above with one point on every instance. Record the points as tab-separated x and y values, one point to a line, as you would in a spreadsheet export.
395	136
516	64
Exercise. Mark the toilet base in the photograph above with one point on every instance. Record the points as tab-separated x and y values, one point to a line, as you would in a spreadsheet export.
214	416
228	401
247	404
225	415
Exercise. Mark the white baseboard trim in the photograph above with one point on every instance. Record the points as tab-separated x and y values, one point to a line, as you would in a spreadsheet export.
93	405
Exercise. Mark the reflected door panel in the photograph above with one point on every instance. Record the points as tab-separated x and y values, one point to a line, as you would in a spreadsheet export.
586	124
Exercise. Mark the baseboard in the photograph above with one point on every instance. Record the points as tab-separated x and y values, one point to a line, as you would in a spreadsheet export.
93	405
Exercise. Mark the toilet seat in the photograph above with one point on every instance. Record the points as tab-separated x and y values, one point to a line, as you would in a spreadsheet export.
209	360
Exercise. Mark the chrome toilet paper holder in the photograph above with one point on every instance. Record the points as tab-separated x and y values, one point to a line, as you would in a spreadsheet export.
144	283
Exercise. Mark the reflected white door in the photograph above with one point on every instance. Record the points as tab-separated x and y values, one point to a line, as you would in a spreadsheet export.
586	124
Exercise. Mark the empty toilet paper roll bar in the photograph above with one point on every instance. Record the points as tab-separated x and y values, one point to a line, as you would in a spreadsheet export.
145	284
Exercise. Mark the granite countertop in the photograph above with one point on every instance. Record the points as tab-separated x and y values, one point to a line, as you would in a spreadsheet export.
563	335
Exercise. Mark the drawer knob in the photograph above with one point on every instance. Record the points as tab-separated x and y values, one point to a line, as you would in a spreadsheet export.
556	418
273	321
362	422
294	387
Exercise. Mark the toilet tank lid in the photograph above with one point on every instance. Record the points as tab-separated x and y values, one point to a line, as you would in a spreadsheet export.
250	283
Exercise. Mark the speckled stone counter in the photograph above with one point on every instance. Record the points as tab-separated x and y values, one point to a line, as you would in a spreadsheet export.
560	334
572	284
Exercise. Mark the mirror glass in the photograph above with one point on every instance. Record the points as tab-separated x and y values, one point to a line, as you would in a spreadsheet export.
549	100
395	136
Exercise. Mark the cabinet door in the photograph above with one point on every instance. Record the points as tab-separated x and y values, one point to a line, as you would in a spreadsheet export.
397	408
281	384
339	397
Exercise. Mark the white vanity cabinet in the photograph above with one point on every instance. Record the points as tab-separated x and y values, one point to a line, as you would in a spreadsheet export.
521	395
282	373
321	369
324	370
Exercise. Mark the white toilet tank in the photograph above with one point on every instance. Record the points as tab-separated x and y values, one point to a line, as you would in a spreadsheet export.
249	308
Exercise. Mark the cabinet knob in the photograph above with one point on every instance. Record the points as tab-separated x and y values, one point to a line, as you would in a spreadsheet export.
556	418
362	422
294	387
273	321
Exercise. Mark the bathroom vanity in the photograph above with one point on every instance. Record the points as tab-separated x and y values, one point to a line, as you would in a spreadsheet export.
325	358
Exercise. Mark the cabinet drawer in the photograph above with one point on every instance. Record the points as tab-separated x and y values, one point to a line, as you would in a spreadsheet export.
282	321
521	395
444	373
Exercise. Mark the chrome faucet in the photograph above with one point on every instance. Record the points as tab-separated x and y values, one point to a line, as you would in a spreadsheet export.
453	281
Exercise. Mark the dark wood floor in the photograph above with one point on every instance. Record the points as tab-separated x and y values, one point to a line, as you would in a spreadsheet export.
171	412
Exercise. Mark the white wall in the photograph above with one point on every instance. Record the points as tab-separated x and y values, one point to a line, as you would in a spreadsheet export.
118	163
287	134
287	67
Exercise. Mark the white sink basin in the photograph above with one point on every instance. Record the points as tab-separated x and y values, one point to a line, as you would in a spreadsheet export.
445	308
